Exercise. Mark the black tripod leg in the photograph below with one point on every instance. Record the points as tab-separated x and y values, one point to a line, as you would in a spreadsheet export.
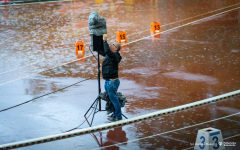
95	108
99	83
91	107
124	116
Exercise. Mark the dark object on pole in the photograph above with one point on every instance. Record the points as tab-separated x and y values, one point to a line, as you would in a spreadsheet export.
97	43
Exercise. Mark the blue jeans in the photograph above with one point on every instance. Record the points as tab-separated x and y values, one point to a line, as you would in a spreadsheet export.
111	88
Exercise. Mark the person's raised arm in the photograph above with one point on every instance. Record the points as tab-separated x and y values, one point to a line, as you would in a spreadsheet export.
108	51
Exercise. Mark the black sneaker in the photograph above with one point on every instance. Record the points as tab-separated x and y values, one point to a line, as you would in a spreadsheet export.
114	119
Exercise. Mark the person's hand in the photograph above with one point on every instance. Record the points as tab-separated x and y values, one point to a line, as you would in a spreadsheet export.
105	37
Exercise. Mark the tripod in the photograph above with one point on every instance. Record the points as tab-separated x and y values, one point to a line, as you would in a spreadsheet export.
97	101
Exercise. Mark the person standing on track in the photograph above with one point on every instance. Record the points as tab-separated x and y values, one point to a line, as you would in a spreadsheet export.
110	75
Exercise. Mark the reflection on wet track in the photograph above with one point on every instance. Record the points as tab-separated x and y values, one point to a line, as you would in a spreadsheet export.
190	63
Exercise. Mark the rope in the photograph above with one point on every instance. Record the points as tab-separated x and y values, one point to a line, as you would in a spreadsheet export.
45	95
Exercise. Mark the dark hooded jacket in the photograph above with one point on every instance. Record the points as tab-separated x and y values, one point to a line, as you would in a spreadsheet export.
110	63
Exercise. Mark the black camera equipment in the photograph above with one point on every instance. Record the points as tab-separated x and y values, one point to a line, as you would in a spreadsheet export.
97	43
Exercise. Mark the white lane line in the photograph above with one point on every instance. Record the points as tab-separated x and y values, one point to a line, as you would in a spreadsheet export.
20	67
43	70
139	32
169	131
131	42
182	25
189	18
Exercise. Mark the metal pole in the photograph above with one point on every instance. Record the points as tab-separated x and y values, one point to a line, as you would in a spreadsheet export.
99	84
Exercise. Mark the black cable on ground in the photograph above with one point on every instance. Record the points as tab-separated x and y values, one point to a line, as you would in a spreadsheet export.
45	94
25	2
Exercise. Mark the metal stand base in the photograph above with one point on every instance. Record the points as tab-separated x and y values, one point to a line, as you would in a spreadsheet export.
95	110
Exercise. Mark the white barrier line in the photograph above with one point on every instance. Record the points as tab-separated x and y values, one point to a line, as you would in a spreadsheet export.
146	137
116	124
182	25
124	44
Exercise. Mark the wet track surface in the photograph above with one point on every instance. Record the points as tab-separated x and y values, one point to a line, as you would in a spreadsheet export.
180	66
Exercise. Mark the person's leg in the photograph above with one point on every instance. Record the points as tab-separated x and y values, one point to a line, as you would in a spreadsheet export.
106	86
112	92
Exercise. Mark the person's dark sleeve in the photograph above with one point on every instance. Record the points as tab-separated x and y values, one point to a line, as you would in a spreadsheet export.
110	54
